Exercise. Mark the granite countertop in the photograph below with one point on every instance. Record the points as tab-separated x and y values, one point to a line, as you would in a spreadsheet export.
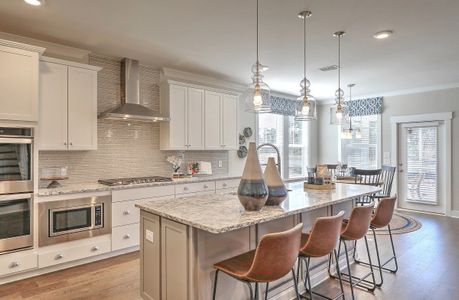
222	212
75	188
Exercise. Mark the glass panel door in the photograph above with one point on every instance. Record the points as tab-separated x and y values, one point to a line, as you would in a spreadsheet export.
15	217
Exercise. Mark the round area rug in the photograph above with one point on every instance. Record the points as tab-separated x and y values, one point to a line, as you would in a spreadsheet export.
401	224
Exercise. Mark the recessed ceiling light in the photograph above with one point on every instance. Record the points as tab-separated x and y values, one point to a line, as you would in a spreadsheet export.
383	34
34	2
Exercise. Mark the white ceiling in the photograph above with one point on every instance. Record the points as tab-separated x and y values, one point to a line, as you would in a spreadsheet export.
216	37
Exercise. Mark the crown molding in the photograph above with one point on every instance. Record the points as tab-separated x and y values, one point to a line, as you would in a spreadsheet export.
168	74
26	47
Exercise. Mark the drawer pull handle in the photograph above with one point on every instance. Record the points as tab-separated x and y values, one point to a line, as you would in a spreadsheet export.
224	184
127	236
205	186
14	264
95	248
59	256
126	212
185	188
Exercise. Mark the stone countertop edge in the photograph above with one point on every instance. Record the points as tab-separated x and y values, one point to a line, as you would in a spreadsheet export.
76	188
223	229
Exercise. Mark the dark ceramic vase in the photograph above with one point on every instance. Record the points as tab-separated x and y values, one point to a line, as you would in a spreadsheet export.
252	191
276	188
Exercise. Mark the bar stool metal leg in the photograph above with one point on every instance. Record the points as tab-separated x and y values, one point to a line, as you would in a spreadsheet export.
348	269
295	282
266	291
215	284
256	290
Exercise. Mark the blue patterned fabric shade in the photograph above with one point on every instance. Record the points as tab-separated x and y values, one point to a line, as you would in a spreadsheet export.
364	107
284	106
360	107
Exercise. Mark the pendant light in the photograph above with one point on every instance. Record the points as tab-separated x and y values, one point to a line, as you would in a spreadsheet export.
337	111
348	133
307	111
258	94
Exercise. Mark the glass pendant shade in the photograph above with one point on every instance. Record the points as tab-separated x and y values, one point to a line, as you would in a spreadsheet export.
258	96
346	134
307	110
358	134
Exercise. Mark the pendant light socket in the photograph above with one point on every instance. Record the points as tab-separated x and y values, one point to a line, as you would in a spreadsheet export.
339	33
305	14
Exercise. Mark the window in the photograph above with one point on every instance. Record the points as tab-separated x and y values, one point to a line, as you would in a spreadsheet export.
290	137
363	153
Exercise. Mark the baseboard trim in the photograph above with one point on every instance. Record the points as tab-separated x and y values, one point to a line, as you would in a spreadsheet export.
455	213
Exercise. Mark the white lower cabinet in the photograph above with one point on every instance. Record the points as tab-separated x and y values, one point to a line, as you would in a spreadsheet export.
227	184
18	262
66	252
189	188
125	236
124	213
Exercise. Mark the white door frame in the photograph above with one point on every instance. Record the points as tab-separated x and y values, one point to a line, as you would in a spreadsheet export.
446	117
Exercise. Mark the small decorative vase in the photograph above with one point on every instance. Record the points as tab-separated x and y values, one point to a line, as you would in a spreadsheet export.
276	188
252	191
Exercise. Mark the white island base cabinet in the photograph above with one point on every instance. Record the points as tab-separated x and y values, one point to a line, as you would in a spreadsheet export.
177	260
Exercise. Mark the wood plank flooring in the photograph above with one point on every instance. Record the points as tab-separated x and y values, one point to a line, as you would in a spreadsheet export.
428	261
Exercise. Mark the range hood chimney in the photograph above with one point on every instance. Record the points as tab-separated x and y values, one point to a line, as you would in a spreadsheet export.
130	108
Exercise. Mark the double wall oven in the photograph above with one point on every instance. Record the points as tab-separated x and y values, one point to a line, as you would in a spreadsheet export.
16	188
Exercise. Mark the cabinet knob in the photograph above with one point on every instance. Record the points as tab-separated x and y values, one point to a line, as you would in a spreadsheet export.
65	143
14	264
59	256
71	144
185	188
224	184
127	236
95	248
205	186
126	212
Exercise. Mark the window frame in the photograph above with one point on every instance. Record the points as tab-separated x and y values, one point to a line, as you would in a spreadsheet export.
378	142
285	147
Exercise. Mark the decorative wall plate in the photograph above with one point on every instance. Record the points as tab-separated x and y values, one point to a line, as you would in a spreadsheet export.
247	132
242	152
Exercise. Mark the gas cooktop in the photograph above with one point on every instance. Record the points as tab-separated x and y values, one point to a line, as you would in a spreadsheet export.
133	180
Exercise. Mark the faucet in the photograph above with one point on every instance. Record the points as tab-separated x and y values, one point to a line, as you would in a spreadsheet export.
277	151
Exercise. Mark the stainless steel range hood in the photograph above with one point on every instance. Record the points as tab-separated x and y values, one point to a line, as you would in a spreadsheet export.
130	108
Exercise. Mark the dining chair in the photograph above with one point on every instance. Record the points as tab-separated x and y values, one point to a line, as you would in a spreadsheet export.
367	177
332	170
387	178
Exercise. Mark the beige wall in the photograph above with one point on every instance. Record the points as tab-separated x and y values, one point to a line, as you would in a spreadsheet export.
411	104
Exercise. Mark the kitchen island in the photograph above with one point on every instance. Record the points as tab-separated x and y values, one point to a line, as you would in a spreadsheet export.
183	238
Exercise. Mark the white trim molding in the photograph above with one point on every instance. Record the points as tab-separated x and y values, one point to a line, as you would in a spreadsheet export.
446	117
31	48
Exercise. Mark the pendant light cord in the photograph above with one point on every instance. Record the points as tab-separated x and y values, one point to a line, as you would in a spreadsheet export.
339	69
350	105
304	51
257	39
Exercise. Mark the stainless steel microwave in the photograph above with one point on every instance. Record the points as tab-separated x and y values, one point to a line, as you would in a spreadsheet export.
72	219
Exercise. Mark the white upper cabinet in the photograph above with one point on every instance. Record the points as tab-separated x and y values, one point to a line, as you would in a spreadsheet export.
53	106
68	105
19	81
82	109
201	119
212	121
229	122
173	104
195	119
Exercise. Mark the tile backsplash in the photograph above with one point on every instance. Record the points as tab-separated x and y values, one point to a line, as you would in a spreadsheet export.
124	149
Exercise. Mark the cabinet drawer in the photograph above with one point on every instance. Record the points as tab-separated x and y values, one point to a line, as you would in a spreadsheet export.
18	262
66	254
142	193
226	184
125	236
195	187
124	213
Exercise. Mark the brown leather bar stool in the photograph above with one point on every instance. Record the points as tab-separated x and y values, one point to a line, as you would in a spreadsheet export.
274	258
353	230
320	241
381	218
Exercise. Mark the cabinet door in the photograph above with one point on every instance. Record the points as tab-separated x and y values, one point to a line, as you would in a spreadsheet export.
177	109
18	84
212	120
53	106
229	122
195	120
82	109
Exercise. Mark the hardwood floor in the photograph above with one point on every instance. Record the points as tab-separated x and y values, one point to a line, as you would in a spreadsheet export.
428	261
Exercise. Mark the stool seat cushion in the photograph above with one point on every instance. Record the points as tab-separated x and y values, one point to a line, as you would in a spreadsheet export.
237	266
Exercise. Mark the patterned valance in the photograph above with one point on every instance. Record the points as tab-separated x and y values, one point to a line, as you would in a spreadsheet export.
284	106
364	107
